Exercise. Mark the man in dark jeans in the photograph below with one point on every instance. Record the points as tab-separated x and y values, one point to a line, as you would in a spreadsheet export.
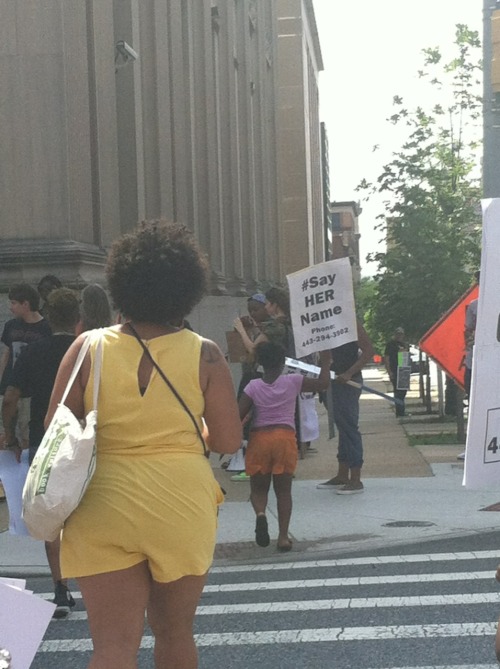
393	349
347	362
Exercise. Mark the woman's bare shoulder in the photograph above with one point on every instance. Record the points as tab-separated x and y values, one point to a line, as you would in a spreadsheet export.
210	352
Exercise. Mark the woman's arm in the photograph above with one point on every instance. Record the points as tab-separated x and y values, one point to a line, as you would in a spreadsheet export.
245	405
74	401
321	383
247	342
221	410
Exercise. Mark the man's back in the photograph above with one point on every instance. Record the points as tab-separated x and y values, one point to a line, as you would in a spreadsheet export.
35	372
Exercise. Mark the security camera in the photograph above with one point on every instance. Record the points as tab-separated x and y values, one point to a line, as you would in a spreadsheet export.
124	54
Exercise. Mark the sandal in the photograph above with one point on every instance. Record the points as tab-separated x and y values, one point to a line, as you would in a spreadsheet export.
261	532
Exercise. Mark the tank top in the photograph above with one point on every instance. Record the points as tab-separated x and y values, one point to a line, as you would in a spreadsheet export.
130	423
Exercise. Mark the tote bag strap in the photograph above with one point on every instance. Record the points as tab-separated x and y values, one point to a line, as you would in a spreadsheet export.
92	336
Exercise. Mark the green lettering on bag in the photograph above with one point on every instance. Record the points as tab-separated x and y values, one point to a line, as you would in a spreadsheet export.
56	439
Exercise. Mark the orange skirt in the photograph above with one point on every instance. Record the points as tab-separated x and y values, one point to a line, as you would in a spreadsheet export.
271	452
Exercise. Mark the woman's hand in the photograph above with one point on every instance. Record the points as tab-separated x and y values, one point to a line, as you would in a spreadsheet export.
238	325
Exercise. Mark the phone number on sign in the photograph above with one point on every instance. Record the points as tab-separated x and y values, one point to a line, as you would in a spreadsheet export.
324	337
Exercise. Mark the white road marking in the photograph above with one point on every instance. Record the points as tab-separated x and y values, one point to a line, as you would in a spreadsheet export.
334	604
334	582
350	581
329	634
372	561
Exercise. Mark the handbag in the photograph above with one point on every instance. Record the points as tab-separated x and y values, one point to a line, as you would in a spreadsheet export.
65	460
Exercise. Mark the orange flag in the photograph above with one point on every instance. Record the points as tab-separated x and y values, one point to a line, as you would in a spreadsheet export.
444	342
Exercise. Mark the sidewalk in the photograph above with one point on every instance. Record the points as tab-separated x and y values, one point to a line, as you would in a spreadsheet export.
412	494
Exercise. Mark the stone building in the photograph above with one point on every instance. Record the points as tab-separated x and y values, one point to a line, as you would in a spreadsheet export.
345	234
214	124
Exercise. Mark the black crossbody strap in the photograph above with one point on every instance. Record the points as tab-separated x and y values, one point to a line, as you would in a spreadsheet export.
174	391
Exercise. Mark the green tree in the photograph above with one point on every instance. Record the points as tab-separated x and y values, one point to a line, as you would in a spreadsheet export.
365	296
431	193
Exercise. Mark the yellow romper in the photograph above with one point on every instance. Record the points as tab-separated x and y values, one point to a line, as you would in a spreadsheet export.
153	495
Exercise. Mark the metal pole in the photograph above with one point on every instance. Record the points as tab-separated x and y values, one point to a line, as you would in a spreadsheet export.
440	391
491	111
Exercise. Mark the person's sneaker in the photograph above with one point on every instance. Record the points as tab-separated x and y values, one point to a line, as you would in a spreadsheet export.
331	484
350	489
242	476
63	600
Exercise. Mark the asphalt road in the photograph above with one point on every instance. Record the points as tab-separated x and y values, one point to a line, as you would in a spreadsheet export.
428	605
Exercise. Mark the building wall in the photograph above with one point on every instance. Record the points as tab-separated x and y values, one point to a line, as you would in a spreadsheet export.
345	234
299	142
192	132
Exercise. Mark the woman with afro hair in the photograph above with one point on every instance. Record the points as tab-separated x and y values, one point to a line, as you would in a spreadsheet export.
143	536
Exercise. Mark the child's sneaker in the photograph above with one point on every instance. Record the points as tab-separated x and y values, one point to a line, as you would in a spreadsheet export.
242	476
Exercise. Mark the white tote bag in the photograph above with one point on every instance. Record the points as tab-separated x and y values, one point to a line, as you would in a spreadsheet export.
65	460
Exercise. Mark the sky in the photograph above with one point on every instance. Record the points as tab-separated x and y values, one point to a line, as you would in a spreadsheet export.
372	50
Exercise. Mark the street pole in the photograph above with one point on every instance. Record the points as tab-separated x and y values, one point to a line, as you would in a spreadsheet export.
491	108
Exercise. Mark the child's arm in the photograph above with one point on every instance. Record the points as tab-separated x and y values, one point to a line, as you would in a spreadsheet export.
245	405
321	383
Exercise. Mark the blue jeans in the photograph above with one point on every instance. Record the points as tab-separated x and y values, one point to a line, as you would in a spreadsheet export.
346	416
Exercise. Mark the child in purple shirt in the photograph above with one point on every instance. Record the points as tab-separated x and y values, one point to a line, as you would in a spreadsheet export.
272	447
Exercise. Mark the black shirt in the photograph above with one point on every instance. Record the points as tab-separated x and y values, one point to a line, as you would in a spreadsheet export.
17	334
392	350
344	357
35	372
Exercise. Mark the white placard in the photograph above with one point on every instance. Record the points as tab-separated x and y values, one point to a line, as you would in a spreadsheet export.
23	620
482	453
322	306
19	583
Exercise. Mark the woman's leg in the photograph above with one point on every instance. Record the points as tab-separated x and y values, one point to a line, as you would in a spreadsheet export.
259	492
116	604
282	484
171	610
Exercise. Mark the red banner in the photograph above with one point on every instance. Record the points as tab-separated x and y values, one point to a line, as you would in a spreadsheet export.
444	342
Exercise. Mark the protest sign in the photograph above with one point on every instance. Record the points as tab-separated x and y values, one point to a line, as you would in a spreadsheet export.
322	306
24	618
482	453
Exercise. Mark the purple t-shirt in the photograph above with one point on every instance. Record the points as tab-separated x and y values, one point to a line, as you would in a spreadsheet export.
274	403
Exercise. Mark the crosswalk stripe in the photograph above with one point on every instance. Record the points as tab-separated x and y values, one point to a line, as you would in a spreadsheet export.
349	581
335	604
321	635
351	562
334	582
448	666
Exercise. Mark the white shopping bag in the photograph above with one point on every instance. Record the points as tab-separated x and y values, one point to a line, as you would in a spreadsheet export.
237	462
309	421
